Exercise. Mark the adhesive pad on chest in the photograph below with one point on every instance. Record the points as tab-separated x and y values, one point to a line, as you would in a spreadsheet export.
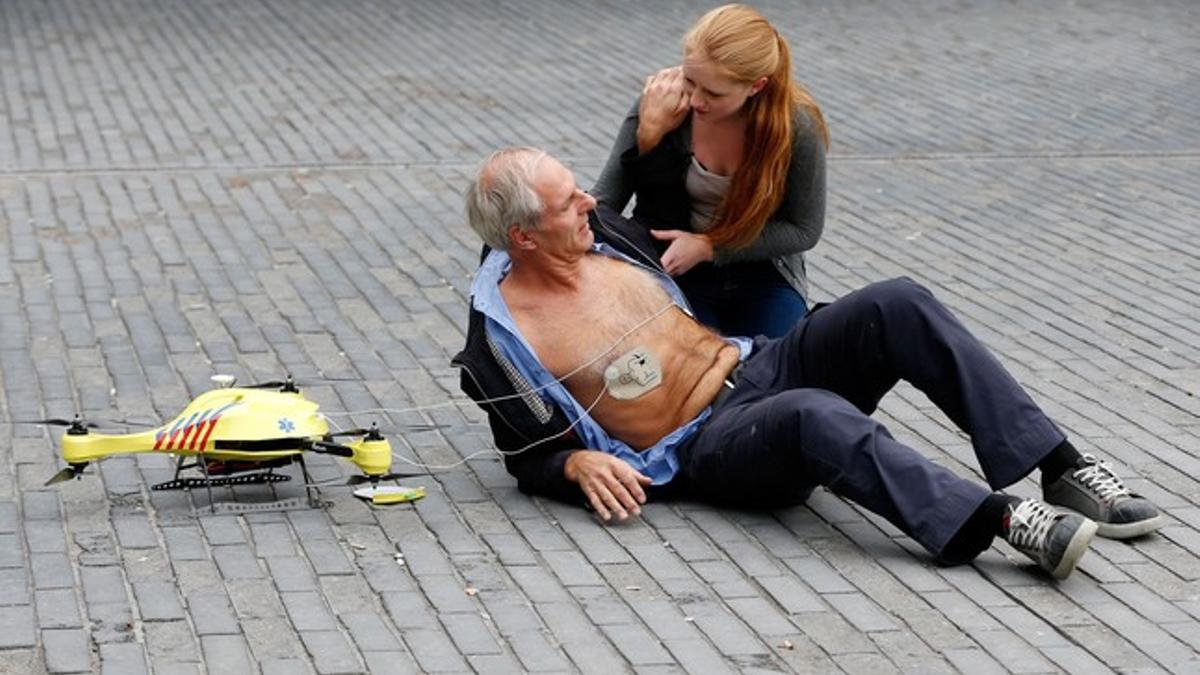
633	373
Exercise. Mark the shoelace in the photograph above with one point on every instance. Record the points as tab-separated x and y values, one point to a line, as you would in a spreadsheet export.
1099	477
1028	525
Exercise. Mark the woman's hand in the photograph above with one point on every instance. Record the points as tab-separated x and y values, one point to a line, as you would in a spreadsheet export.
665	102
612	486
685	251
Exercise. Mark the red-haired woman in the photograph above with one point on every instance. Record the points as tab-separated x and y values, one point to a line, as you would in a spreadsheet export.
726	155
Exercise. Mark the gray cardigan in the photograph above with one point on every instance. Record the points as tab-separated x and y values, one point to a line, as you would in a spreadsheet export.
657	178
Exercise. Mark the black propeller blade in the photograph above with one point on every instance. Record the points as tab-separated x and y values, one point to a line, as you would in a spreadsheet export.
62	422
359	480
374	434
103	423
349	432
285	385
327	448
71	471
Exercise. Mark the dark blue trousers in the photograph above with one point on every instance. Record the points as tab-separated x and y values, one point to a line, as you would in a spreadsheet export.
748	298
799	416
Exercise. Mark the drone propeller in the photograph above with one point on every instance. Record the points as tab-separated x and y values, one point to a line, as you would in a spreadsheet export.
69	472
63	422
79	424
287	385
353	432
360	479
336	449
373	434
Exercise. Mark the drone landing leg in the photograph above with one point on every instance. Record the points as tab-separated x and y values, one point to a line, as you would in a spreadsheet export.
178	466
314	502
212	504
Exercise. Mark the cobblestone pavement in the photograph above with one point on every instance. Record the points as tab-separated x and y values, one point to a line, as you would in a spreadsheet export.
272	186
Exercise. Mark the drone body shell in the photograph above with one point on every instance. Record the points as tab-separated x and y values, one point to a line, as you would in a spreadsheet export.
234	424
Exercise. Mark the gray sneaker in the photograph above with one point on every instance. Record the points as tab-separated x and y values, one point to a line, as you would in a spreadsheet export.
1055	540
1095	491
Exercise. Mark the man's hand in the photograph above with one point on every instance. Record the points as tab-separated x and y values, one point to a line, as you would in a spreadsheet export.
685	251
611	485
665	102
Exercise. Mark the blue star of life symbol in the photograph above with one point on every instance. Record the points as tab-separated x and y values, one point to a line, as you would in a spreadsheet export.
286	425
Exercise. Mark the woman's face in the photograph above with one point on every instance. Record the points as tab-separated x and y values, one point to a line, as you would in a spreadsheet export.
714	95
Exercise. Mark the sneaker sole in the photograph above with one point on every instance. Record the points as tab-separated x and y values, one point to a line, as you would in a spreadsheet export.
1131	530
1075	549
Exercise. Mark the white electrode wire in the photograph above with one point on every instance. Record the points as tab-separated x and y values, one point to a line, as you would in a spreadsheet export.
500	452
535	390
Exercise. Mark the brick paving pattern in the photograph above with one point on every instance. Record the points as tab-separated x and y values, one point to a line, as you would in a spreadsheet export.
269	187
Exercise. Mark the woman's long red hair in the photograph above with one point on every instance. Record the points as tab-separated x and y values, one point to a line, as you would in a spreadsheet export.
743	44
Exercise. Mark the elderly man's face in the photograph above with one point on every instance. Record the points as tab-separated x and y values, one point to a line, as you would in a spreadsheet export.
563	226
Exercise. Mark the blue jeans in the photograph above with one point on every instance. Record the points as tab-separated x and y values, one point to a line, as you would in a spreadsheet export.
798	416
747	299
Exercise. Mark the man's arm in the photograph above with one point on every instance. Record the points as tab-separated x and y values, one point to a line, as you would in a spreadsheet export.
612	486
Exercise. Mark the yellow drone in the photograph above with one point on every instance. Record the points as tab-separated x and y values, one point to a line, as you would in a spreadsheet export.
240	435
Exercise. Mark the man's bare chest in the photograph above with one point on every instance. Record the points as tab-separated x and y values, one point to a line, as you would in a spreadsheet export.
585	331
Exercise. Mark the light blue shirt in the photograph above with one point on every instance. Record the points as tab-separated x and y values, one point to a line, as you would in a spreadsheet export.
659	461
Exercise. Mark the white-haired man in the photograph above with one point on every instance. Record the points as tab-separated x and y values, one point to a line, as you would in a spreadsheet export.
600	388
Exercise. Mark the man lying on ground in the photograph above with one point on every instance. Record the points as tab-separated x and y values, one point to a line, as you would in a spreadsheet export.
601	388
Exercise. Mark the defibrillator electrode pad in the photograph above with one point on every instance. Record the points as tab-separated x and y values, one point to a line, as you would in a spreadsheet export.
633	374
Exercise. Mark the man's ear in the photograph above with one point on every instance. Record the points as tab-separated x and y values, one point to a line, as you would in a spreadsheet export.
520	238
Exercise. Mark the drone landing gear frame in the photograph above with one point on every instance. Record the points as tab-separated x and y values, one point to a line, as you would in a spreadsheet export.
252	475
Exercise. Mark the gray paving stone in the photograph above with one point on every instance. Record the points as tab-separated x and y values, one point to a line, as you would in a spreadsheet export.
176	668
67	651
331	652
308	611
237	562
285	667
211	613
157	601
272	540
369	632
291	574
11	553
389	662
122	657
433	650
57	608
184	543
41	505
226	653
135	532
103	585
791	594
14	587
45	536
860	611
9	521
327	557
51	570
110	622
171	642
222	530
